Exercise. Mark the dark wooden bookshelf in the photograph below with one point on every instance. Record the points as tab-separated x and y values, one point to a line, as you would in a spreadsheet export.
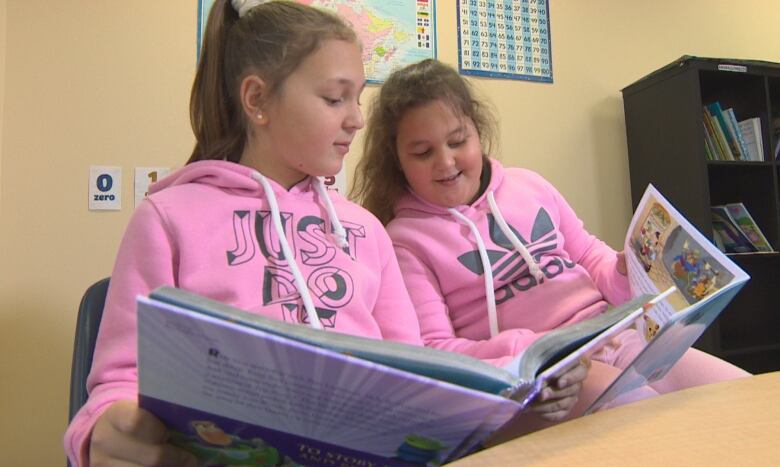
665	136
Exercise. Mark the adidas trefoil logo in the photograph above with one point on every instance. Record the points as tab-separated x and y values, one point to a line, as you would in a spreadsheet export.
508	264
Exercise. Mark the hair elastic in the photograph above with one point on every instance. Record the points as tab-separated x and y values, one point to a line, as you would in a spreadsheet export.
243	6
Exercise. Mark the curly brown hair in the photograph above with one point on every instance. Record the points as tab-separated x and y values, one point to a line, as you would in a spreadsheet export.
379	181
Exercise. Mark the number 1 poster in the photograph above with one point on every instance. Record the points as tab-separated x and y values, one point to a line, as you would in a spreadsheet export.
505	39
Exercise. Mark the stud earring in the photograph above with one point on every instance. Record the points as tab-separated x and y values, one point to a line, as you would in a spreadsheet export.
259	115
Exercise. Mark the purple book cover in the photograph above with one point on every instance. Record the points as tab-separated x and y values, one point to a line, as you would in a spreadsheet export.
239	396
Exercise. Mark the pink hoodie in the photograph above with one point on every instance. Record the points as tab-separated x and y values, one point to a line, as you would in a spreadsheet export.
208	228
571	277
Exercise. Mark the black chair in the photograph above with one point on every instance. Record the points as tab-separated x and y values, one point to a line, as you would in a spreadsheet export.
87	325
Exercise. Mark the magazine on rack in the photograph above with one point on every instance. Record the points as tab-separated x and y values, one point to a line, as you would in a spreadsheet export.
737	217
237	387
662	250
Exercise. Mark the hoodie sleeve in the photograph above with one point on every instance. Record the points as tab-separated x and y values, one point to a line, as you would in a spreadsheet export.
145	261
394	312
598	258
435	325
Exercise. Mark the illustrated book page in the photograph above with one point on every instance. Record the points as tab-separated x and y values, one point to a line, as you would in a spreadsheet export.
663	250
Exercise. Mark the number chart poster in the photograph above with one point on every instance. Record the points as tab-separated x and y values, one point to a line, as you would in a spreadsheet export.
505	39
394	33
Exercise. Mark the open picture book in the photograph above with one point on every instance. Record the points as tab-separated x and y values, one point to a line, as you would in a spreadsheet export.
663	250
235	388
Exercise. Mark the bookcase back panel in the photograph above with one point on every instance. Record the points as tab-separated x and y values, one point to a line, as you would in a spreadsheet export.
656	125
772	130
745	93
753	318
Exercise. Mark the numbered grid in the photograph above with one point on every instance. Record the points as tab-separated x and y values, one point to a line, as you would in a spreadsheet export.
505	39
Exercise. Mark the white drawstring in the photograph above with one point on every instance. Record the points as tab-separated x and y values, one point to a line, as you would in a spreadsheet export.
533	266
300	283
487	271
338	230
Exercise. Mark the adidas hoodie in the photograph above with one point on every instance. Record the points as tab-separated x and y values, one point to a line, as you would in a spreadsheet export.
487	279
222	230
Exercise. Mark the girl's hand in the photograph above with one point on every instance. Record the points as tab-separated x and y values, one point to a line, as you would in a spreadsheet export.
128	435
621	263
558	398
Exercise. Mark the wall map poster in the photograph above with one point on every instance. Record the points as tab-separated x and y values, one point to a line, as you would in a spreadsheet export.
394	33
505	39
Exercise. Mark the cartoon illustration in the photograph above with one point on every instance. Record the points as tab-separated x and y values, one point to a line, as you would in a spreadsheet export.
420	450
214	447
647	244
693	273
651	327
209	432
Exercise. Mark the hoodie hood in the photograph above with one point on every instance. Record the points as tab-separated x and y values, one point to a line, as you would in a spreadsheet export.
235	179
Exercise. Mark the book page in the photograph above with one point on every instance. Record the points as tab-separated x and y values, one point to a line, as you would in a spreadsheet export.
223	389
662	250
442	365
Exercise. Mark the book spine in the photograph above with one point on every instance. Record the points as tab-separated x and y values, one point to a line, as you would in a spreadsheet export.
709	145
717	137
751	134
720	122
756	123
731	121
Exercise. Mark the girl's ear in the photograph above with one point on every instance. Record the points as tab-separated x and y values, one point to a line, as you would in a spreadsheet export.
253	95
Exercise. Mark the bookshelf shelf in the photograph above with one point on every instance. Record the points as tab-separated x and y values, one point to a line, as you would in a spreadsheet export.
666	147
738	163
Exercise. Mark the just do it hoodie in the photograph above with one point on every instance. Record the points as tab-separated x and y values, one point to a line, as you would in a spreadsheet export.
209	228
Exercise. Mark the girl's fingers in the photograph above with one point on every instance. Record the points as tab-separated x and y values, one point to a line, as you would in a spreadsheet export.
127	434
555	407
550	393
126	417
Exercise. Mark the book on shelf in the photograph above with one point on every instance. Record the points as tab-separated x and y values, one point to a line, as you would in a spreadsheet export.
750	129
731	121
777	148
717	136
727	235
776	136
722	126
235	387
712	153
733	217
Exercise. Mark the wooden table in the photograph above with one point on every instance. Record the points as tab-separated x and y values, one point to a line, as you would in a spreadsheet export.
735	423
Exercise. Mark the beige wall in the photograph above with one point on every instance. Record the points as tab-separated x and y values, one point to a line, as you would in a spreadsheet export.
106	82
2	95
